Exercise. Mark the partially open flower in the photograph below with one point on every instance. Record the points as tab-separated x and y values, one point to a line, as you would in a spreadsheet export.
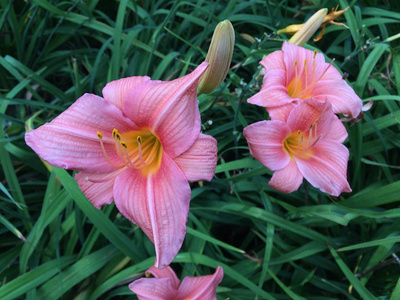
219	57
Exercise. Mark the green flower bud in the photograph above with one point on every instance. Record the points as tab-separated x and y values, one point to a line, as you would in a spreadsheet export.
219	57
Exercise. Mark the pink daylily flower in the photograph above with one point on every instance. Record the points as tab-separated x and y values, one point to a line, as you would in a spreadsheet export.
308	145
138	146
165	286
294	74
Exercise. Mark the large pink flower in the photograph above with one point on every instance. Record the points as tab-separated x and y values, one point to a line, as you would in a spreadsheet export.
308	145
165	286
138	146
294	74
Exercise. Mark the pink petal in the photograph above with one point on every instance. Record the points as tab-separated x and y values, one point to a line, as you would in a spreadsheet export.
265	141
199	161
310	111
281	113
295	55
98	188
273	91
158	204
288	179
329	126
331	73
115	91
327	167
273	61
199	288
168	109
153	289
70	141
165	273
343	98
306	112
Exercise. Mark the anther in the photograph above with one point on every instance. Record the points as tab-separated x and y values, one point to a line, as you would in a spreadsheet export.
103	148
116	134
139	140
345	75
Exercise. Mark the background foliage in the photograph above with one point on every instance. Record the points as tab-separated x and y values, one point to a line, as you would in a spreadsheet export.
306	245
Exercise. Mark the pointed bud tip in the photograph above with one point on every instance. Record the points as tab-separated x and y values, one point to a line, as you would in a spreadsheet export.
219	57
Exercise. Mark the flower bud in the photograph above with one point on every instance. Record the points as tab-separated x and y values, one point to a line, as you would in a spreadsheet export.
219	57
310	27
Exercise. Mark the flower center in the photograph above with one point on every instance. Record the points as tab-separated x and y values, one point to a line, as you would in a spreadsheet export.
301	86
299	144
135	149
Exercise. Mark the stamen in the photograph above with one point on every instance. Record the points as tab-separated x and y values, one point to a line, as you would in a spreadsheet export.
116	134
313	68
298	139
125	148
100	136
316	140
139	140
295	78
312	137
305	71
119	152
326	69
152	154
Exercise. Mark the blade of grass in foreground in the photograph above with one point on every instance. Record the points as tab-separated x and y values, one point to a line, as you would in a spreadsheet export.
105	226
361	289
34	278
59	285
381	242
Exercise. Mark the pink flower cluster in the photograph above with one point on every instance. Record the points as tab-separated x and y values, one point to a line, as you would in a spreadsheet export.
302	93
140	145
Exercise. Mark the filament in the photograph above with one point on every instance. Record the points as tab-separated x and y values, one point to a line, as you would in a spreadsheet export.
100	136
326	69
